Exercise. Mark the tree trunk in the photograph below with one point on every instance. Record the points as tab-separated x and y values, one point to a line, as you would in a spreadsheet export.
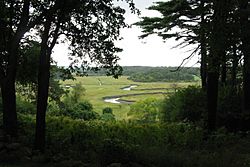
43	86
223	69
245	38
217	46
9	107
9	74
44	76
234	67
203	68
212	96
9	90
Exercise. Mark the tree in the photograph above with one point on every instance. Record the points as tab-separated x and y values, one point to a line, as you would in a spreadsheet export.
16	20
184	20
91	27
213	25
245	38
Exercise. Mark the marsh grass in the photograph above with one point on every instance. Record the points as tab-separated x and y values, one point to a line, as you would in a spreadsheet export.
98	87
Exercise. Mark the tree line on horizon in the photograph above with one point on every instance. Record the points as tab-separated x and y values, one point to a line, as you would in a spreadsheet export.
154	74
220	30
164	74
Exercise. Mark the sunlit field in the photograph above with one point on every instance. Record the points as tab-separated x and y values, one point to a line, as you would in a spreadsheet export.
98	87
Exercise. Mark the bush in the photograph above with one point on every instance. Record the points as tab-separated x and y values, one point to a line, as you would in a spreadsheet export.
189	104
75	95
107	117
107	110
145	111
185	105
229	110
107	114
82	110
98	143
25	107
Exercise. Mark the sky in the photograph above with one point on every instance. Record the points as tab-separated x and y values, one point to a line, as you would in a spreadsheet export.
151	51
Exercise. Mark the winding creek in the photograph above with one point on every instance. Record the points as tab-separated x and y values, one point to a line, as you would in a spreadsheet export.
117	98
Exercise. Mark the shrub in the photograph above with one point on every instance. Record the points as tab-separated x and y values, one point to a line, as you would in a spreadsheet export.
75	95
189	104
107	114
133	144
229	109
25	107
107	110
107	117
145	111
82	110
185	105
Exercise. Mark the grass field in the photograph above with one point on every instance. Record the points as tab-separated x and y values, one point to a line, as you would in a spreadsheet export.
98	87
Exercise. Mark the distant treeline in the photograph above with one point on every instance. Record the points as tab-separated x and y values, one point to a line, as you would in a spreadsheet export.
156	74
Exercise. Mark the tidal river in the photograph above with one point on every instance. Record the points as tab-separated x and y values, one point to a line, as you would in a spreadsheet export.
117	100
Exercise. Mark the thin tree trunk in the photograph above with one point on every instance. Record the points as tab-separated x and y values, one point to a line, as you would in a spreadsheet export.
223	70
43	81
245	38
234	67
203	68
43	86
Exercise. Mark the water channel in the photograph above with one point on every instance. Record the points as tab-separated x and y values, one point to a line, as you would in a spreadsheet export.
117	99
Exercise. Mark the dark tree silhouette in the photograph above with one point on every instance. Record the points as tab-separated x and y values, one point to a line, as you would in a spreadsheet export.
245	38
15	23
90	27
16	20
215	26
191	20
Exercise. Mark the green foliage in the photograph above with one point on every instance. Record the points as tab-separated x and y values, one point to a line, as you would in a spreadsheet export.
164	74
145	111
229	109
189	104
172	144
56	91
107	117
74	105
25	107
107	114
27	74
229	100
185	105
75	95
82	110
107	110
155	74
28	66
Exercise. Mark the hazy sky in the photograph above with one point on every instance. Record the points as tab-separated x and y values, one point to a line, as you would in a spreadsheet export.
151	51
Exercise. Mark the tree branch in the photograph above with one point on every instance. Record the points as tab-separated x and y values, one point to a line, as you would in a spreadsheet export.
187	58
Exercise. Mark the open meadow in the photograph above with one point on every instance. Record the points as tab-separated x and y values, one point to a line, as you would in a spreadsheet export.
98	87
